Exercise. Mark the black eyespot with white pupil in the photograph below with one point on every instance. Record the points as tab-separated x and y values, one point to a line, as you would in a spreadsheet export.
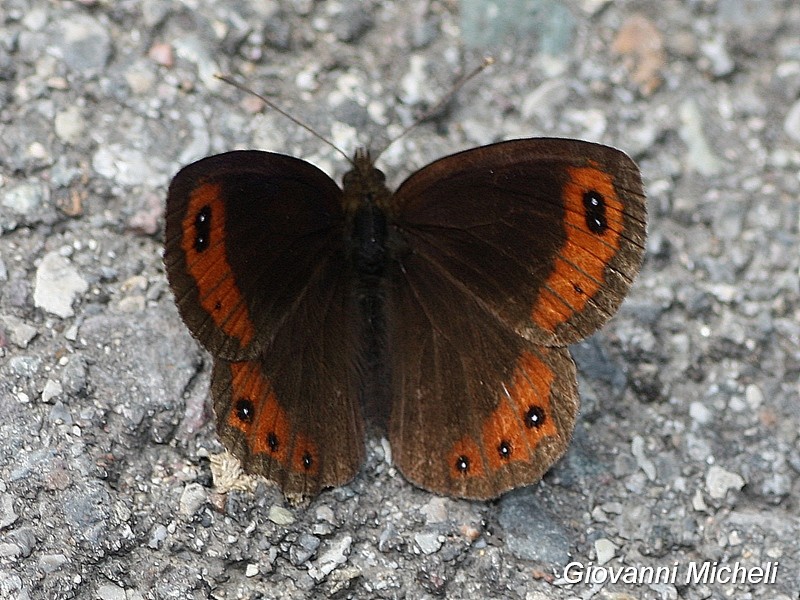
504	449
594	206
273	442
245	410
534	417
307	461
462	464
202	229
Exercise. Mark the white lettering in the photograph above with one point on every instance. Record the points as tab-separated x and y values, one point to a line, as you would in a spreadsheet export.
706	572
755	575
739	570
721	574
774	572
695	575
573	572
632	574
597	575
664	575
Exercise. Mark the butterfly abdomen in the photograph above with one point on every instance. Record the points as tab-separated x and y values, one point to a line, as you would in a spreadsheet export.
368	249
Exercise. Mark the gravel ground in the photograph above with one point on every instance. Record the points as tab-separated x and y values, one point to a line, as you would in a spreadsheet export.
112	482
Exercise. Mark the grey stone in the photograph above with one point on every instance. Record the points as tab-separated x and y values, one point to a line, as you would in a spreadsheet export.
7	514
20	332
352	23
123	165
645	464
701	157
111	592
531	531
25	539
52	389
70	126
84	43
50	563
435	510
10	584
157	537
791	124
280	515
605	550
9	550
334	556
193	498
24	198
87	513
429	542
721	62
303	549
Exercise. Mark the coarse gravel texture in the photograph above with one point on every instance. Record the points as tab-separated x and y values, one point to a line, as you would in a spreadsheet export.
687	444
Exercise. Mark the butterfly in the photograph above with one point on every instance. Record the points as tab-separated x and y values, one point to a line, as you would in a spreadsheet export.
442	311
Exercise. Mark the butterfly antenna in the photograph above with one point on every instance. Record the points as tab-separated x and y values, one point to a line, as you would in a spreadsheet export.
275	107
487	62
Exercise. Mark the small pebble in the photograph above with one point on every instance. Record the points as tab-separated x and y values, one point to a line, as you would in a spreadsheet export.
605	550
280	515
719	481
58	285
428	542
193	498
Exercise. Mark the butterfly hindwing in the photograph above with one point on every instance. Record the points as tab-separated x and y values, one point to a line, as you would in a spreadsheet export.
477	410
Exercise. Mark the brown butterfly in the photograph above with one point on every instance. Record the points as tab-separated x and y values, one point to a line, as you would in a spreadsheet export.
444	308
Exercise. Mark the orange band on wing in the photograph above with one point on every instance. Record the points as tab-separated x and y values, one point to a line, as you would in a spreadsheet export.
503	432
208	265
524	417
579	267
267	429
533	382
515	428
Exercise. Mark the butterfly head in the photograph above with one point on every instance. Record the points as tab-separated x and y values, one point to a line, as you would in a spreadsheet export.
364	184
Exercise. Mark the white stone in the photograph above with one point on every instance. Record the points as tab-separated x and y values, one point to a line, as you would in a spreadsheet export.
428	542
791	124
280	515
605	550
335	555
51	390
719	481
193	498
57	285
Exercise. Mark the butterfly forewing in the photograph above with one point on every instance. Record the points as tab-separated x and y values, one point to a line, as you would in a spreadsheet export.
246	231
514	225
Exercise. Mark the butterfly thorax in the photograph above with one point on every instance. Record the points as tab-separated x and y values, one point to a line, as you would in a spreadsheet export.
364	201
364	185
